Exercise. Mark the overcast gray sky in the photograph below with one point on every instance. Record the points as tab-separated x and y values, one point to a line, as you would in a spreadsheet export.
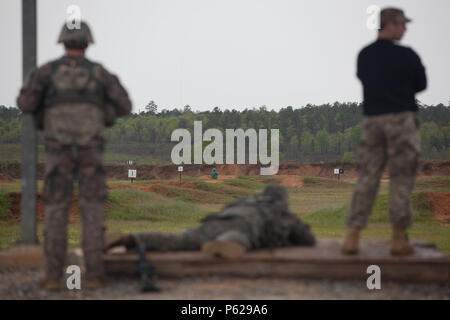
231	53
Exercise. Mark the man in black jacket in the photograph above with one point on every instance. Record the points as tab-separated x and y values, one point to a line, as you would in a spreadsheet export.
391	75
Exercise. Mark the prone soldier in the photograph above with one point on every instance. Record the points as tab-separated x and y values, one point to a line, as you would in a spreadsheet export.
261	221
73	99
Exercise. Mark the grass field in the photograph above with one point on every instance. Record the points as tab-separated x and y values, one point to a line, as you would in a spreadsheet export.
169	207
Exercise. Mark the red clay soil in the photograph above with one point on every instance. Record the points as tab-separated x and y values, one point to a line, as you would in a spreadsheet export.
435	168
14	198
148	172
156	187
292	181
441	206
151	185
431	168
14	212
4	178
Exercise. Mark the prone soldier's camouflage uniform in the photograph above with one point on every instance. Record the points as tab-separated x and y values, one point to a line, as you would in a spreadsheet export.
262	221
394	137
72	93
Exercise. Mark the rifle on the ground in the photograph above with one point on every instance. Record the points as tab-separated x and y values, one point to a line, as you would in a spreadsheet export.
146	270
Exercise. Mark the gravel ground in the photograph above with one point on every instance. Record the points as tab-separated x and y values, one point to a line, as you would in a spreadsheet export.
24	285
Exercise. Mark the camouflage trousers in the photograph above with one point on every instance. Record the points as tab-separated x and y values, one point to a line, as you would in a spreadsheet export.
63	165
391	139
193	240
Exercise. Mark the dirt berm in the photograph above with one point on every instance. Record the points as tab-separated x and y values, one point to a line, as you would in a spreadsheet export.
145	172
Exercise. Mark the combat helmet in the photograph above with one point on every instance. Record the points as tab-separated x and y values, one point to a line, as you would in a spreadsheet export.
78	38
278	196
276	192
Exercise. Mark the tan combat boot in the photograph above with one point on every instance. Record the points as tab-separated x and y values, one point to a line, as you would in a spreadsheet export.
230	245
224	249
351	241
400	243
51	284
116	239
95	282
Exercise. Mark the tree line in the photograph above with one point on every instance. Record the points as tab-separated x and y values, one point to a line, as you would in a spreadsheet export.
311	133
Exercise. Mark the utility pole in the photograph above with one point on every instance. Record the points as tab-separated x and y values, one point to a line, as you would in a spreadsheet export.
29	135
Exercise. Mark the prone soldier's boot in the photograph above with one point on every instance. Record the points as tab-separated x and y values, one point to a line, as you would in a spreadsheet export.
51	284
116	239
400	243
230	245
351	241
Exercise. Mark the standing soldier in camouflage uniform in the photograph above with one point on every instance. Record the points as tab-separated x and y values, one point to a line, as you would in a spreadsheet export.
262	221
73	100
391	75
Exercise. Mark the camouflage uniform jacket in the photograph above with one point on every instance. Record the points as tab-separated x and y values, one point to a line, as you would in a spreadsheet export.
82	116
267	222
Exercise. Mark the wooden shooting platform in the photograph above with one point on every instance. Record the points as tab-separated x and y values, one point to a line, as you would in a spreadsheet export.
324	261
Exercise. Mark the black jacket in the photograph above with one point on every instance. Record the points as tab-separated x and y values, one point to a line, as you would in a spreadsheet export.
391	75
